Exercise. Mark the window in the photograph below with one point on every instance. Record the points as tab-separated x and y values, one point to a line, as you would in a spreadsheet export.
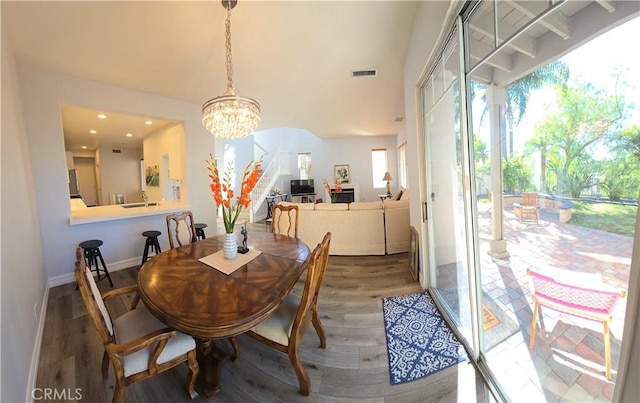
402	165
379	167
304	165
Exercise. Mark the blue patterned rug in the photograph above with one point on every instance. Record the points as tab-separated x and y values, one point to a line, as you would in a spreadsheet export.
419	341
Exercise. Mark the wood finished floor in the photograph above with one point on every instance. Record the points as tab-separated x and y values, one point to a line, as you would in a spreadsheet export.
353	368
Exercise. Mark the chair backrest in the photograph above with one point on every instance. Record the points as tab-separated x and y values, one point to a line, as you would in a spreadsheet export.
284	220
529	199
93	301
315	274
181	229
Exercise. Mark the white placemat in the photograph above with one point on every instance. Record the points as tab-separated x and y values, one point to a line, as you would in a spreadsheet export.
218	262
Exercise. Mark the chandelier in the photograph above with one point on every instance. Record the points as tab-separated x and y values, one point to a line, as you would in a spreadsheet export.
230	116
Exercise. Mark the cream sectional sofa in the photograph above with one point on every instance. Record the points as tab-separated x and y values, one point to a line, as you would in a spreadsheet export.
360	228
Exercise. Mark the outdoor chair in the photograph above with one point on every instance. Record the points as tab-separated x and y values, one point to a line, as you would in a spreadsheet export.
286	327
529	208
578	294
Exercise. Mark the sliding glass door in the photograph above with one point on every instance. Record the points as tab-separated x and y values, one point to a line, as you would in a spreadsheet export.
446	173
478	164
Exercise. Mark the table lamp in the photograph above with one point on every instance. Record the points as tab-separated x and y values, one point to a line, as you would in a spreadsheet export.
387	177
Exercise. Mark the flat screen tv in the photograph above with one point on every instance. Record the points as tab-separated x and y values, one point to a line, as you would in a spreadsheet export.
302	186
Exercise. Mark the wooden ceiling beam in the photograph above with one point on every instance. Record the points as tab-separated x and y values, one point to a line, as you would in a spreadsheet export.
524	43
555	22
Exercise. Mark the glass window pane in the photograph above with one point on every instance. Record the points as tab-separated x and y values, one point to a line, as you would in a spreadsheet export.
304	165
379	167
451	61
438	82
480	32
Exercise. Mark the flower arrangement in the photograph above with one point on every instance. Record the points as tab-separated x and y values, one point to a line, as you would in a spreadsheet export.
223	190
338	189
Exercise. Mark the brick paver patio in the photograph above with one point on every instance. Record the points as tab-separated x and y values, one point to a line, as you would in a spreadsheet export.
567	361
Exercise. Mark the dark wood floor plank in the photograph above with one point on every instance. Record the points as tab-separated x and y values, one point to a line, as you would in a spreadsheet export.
353	368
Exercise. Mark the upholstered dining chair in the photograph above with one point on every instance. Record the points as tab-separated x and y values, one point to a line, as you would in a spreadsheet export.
286	327
284	220
181	229
137	344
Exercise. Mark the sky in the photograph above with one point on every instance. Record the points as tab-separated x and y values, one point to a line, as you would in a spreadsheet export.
595	62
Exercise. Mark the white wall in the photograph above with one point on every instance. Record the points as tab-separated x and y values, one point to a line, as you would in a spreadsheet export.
325	153
120	173
23	279
167	143
42	94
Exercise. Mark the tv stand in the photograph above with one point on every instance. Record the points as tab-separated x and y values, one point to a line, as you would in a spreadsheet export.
303	198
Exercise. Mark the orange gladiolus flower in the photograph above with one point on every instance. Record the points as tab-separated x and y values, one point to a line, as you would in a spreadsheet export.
221	188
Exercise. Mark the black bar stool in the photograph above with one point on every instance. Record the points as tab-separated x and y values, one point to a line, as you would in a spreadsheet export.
91	250
152	241
200	230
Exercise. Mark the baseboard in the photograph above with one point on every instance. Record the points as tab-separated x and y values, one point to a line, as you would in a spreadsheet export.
35	357
113	266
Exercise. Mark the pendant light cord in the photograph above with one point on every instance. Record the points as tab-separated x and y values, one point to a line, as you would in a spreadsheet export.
227	25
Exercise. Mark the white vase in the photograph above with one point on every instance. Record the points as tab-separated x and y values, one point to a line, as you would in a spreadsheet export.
230	246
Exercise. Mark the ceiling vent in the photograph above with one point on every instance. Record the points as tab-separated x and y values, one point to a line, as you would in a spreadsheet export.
364	73
116	151
399	119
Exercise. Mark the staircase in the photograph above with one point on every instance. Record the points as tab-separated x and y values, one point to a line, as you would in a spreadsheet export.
279	165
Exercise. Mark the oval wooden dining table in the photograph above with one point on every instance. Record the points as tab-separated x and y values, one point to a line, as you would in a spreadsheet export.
199	300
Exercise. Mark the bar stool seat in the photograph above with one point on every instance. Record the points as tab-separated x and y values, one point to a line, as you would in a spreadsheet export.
200	230
91	249
151	242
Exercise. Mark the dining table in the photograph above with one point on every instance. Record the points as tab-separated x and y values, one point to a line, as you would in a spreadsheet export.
199	300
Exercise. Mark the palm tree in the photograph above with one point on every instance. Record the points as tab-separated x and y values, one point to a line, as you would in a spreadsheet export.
542	144
518	93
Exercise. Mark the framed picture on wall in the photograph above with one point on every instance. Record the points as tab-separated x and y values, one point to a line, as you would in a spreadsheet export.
342	173
153	175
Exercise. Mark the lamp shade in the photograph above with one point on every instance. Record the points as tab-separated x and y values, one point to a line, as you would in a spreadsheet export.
387	176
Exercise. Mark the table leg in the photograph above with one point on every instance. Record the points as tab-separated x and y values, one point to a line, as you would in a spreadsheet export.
210	358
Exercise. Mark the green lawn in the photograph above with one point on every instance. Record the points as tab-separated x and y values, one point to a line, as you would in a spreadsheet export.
614	218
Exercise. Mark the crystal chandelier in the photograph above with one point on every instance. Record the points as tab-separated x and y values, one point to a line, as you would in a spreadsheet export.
230	116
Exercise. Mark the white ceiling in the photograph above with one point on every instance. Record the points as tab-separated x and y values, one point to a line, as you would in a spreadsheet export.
294	58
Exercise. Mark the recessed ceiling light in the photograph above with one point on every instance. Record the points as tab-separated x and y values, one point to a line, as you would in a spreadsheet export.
93	131
102	116
84	147
148	122
129	135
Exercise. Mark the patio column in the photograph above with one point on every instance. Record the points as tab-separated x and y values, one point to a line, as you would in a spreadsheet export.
495	99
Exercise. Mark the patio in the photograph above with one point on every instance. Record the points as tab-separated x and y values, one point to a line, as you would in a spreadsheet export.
567	362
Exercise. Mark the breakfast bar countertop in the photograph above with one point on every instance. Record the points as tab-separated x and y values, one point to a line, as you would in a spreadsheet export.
122	211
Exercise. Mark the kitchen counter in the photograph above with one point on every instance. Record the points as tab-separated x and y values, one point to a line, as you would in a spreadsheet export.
86	215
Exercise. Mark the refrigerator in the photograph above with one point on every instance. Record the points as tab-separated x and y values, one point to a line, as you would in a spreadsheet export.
74	183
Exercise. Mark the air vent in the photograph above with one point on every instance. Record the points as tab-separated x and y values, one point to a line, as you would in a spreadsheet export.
399	119
364	73
116	151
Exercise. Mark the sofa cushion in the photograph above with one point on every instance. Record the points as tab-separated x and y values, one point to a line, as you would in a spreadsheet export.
396	196
375	205
391	204
405	194
301	206
331	206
